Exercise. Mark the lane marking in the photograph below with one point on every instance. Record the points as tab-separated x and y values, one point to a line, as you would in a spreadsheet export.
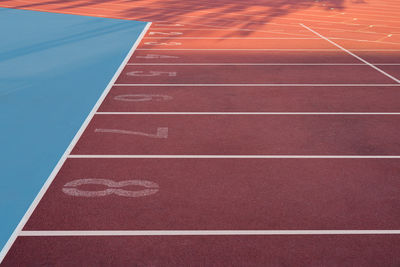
236	38
259	64
157	43
151	73
155	56
229	29
247	113
142	98
113	188
162	132
237	49
56	169
168	25
280	31
276	38
265	49
208	232
76	156
233	31
251	84
352	54
164	34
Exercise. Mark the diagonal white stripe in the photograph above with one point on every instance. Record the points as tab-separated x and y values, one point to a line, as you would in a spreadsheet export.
354	55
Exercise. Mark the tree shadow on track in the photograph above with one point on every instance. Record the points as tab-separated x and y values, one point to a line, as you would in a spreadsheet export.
253	15
236	14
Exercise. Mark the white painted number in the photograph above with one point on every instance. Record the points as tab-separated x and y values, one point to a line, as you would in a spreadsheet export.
157	43
113	188
142	98
154	56
165	33
151	73
162	132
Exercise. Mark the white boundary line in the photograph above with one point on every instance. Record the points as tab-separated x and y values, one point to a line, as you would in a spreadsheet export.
247	113
258	64
230	29
173	37
352	54
53	174
208	232
233	157
236	49
250	84
265	49
213	27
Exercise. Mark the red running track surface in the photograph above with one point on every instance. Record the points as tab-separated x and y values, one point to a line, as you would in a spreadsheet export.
251	99
371	250
189	139
241	135
194	74
228	194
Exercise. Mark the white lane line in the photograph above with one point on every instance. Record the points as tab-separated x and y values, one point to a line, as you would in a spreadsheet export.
234	156
248	113
370	41
251	84
227	28
208	232
237	49
259	64
265	49
56	169
234	38
352	54
234	31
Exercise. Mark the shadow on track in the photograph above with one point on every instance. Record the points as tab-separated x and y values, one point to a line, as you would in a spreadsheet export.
231	14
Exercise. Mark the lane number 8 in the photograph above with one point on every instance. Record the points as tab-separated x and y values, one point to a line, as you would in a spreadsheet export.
113	188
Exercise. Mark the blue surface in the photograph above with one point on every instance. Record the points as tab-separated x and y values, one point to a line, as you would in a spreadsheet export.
53	68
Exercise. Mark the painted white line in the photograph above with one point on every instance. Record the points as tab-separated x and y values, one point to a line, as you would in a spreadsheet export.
208	232
218	28
248	113
236	49
352	54
234	156
251	84
258	64
370	41
53	174
231	30
235	38
265	49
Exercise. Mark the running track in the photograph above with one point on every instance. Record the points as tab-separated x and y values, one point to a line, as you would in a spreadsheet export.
232	135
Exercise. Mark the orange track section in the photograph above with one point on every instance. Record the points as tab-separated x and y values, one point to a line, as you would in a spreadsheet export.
367	20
